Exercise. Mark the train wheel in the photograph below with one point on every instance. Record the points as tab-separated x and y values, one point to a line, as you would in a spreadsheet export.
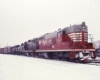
50	55
55	56
77	60
27	54
32	54
63	57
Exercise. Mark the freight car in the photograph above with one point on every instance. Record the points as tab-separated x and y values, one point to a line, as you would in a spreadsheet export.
5	50
1	50
69	43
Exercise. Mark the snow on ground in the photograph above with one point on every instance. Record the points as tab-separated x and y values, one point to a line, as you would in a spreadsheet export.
97	58
26	68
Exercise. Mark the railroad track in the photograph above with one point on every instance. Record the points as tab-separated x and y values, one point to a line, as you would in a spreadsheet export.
94	62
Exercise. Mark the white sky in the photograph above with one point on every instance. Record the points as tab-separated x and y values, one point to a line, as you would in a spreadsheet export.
21	20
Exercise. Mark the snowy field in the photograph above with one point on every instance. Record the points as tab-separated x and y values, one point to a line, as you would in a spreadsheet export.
26	68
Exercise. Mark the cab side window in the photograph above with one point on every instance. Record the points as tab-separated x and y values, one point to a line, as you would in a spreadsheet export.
63	32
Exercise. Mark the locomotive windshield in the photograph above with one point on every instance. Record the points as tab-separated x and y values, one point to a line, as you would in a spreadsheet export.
64	32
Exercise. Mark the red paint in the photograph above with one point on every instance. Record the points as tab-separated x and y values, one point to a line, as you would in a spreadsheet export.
65	42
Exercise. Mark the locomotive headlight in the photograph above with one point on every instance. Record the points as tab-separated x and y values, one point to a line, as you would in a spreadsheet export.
83	28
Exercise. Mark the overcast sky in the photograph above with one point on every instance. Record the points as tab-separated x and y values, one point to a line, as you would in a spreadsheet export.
21	20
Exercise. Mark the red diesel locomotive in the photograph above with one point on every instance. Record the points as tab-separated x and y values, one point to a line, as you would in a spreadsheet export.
70	43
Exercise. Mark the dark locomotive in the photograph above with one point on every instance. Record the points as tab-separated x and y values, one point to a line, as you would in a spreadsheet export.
69	43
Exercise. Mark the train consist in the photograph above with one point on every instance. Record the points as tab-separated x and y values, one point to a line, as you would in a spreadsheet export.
69	43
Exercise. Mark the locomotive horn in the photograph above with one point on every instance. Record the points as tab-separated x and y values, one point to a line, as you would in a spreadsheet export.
83	24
